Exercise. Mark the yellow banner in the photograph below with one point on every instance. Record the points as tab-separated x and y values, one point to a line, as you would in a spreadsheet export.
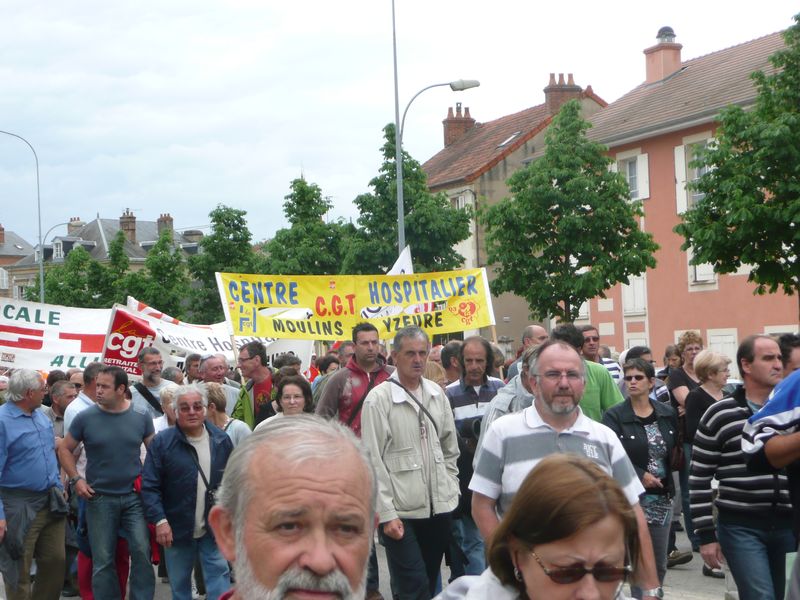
324	307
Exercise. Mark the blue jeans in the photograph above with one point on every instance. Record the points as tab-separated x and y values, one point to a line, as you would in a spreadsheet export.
756	558
106	517
471	542
180	561
659	535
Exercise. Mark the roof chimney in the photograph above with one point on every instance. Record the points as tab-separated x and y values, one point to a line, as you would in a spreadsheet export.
74	225
193	236
456	126
127	222
2	235
164	222
556	94
663	59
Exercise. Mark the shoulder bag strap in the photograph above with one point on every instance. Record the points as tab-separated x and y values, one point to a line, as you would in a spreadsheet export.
418	403
193	452
149	397
357	409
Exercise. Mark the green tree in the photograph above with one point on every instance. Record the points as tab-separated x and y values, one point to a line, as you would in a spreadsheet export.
164	281
79	281
310	246
750	210
226	249
569	231
433	227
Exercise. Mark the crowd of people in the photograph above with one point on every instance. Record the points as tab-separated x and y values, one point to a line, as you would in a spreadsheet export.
562	472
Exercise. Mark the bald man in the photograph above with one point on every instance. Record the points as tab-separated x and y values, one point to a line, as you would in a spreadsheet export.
532	336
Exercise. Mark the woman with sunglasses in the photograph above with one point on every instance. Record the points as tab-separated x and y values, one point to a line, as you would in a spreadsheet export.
648	430
570	532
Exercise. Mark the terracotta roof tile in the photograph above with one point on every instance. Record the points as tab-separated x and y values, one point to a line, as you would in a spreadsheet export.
694	94
477	150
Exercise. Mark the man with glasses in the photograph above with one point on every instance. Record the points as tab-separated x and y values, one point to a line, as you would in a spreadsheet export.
591	351
62	394
554	423
146	394
183	468
254	403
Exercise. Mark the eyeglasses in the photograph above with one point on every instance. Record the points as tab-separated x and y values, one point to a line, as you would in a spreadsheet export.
241	359
601	573
634	377
187	408
297	397
78	385
591	338
556	376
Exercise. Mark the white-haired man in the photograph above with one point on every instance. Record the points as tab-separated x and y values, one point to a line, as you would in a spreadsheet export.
311	510
183	468
32	511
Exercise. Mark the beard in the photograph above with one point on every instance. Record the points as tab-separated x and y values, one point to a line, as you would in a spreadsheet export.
248	587
558	408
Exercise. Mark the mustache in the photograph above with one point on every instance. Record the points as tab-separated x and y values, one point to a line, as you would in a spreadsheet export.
296	578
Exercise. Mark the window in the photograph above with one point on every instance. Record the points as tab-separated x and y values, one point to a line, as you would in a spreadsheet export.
509	139
634	298
583	311
459	202
633	164
685	154
694	173
702	274
3	279
58	250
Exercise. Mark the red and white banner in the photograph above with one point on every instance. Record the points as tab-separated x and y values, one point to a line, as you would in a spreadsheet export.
48	336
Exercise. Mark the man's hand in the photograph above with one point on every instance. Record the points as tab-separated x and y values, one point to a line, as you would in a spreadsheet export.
83	489
2	530
712	555
651	481
164	535
393	529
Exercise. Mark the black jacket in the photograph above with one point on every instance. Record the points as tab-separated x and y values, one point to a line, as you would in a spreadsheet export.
169	477
630	431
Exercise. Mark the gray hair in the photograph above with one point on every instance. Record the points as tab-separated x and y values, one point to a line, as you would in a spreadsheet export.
300	439
60	388
412	331
167	393
21	381
179	391
171	374
147	351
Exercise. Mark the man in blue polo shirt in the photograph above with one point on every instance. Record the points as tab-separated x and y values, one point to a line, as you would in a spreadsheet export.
29	479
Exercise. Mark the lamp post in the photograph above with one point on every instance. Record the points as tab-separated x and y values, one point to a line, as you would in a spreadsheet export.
457	86
39	210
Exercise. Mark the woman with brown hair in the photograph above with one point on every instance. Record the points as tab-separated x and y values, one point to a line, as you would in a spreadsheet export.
568	520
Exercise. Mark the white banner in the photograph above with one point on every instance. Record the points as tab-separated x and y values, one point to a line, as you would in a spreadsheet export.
177	339
48	336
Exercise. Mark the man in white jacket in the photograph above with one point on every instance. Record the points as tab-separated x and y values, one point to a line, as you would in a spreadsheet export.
408	427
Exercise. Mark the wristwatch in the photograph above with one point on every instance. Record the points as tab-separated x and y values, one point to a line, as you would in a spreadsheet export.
653	593
74	480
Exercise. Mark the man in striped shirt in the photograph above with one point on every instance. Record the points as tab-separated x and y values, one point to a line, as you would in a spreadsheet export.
753	531
515	443
469	398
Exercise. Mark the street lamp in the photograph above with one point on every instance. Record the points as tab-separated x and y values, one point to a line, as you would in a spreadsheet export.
457	86
39	209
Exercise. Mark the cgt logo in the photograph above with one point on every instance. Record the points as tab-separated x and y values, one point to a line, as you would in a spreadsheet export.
465	310
126	341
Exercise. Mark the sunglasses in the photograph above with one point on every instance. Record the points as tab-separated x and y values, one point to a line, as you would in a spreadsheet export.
591	338
634	377
601	573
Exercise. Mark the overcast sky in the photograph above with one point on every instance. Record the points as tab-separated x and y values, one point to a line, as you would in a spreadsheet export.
180	105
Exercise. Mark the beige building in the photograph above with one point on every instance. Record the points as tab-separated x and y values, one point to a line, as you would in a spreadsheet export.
476	162
95	236
12	249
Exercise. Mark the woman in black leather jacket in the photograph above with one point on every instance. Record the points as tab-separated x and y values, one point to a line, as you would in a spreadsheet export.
648	431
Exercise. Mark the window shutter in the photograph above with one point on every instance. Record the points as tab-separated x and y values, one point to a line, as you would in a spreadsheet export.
643	173
680	179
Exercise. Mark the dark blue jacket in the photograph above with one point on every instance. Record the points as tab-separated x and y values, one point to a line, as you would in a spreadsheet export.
169	478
